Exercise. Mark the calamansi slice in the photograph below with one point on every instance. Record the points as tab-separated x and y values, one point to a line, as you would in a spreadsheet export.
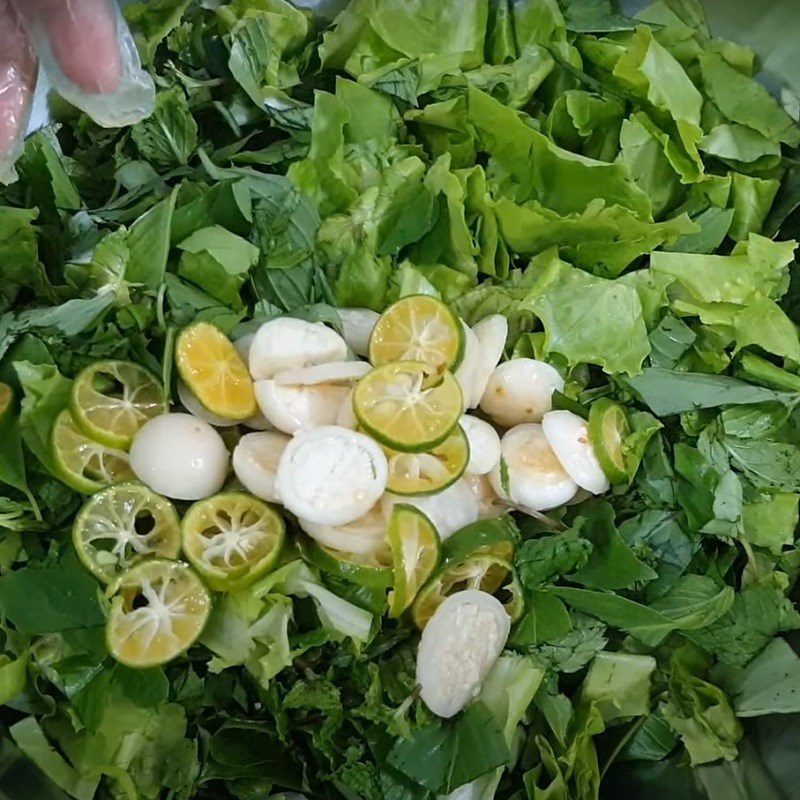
418	328
111	400
488	537
158	609
215	372
407	406
484	572
122	525
426	473
82	463
232	539
415	552
608	429
372	569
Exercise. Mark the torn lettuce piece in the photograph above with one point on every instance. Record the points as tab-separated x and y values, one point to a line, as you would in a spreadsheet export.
602	240
565	298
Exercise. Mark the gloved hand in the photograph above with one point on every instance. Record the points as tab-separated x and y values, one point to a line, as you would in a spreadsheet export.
88	54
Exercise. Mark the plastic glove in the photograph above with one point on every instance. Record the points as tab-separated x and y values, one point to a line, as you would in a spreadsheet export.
88	54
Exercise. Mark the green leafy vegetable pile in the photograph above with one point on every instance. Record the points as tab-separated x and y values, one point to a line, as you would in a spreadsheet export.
625	192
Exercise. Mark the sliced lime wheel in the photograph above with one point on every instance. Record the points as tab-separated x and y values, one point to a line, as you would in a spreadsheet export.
232	539
122	525
111	400
415	551
407	407
418	328
373	569
158	609
608	430
83	463
426	473
489	537
485	573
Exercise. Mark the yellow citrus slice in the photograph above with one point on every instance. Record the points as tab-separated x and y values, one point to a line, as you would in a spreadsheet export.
158	609
418	328
407	406
232	539
215	372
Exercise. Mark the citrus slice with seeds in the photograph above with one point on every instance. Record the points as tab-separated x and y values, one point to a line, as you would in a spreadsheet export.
111	400
214	371
158	609
232	539
418	328
122	525
83	463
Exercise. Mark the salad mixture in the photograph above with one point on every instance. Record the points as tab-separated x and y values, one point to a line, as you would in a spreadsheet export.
407	409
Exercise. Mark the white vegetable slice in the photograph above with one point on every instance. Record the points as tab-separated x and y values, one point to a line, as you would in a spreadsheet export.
347	417
255	462
490	504
449	511
335	372
460	644
196	408
294	408
331	475
180	456
357	325
484	445
258	422
363	536
534	475
465	374
286	343
520	391
568	435
491	333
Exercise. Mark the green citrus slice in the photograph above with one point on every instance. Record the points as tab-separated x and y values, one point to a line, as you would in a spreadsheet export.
84	464
418	328
415	551
408	407
214	371
372	569
111	400
484	572
232	539
426	473
158	609
608	430
489	537
122	525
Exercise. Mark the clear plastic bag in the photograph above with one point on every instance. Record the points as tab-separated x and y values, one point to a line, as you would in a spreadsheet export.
17	80
90	57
